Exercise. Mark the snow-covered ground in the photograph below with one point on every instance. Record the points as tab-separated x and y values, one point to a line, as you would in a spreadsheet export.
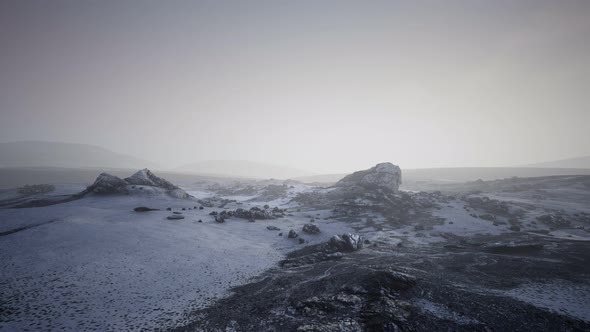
95	264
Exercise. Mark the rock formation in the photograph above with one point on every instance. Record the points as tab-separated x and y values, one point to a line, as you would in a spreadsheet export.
385	176
346	242
110	184
145	177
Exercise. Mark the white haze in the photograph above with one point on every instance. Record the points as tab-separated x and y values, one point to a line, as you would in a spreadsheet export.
329	86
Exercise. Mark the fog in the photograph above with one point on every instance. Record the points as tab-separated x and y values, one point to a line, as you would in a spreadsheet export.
325	86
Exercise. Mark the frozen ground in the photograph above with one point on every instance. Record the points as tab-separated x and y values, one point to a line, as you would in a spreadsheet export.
95	264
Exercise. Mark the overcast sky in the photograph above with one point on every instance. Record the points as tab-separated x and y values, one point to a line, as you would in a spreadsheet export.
327	86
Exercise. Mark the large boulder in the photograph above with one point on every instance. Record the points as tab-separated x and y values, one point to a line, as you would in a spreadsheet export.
385	176
108	184
145	177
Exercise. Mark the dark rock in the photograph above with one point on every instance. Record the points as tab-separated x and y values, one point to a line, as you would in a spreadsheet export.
200	220
489	217
292	234
311	229
515	228
175	217
280	234
301	241
144	209
168	209
219	219
201	208
273	228
258	213
108	184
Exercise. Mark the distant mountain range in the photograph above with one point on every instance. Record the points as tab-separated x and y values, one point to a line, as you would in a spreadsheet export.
243	168
67	155
578	162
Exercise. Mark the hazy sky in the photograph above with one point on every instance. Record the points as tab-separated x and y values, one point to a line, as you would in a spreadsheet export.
328	86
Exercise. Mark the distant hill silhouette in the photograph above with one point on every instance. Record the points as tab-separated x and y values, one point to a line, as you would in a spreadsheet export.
578	162
243	168
69	155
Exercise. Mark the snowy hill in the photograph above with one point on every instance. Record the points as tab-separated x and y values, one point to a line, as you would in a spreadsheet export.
52	154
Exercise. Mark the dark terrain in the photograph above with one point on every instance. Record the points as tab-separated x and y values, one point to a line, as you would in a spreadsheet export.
515	280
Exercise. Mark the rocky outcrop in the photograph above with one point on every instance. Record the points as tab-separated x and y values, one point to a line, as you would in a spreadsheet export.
108	184
346	242
145	177
385	176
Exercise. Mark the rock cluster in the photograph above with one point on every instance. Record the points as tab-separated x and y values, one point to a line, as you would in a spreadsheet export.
255	213
36	189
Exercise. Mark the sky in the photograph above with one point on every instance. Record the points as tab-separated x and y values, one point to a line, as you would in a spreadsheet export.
326	86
